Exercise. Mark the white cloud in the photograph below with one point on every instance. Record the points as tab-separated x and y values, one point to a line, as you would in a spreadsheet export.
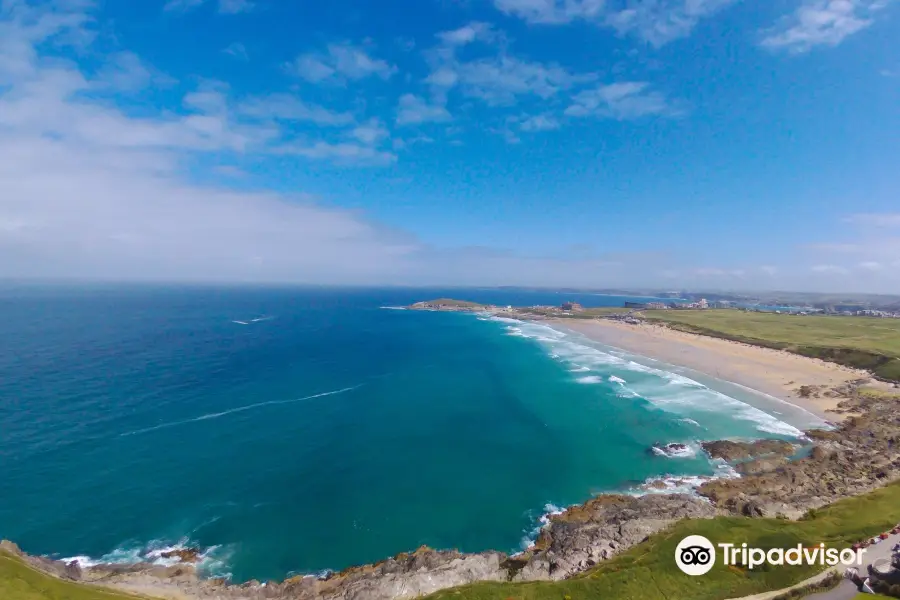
623	100
830	269
225	7
413	110
502	79
286	107
370	133
126	72
769	270
870	265
655	21
233	7
662	21
876	219
716	272
543	122
822	22
342	153
498	78
552	11
237	50
341	62
468	33
91	192
182	5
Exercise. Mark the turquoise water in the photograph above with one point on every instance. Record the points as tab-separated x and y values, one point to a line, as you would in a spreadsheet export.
296	430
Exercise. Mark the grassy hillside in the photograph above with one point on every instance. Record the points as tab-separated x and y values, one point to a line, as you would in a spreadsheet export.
648	571
871	344
19	581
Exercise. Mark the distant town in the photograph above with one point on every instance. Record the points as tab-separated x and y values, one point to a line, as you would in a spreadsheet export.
678	303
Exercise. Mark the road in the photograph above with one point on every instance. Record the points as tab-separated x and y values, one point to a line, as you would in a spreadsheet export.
846	590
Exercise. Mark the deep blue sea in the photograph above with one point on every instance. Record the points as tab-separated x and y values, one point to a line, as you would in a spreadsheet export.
293	430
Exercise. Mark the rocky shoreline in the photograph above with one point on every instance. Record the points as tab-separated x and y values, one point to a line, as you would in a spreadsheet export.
858	456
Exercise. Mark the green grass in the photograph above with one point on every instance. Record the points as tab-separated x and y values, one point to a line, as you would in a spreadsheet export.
864	343
18	581
648	571
452	302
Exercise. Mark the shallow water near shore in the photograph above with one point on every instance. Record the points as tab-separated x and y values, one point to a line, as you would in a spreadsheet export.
294	430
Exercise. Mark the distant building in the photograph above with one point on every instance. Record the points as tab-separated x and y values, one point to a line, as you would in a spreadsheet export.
572	306
701	304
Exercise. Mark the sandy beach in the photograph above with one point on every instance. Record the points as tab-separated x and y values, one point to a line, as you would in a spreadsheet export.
773	372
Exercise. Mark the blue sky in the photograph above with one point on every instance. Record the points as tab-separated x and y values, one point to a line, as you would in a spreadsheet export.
719	144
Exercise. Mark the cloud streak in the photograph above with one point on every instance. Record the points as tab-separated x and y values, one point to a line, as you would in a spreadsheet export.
657	22
622	101
822	23
340	63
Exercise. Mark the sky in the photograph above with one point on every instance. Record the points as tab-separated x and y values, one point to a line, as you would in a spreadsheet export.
698	144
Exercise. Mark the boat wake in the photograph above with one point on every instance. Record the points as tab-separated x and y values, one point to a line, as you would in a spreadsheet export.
232	411
252	321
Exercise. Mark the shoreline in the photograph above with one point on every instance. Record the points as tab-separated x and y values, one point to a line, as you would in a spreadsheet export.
571	541
774	373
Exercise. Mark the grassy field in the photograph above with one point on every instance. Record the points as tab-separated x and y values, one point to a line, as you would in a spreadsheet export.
19	581
648	571
871	344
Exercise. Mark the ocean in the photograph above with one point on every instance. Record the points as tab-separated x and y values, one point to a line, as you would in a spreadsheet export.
296	430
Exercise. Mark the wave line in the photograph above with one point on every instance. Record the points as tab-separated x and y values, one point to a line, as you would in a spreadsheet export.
237	410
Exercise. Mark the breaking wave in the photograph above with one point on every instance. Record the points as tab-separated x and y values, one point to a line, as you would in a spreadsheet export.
665	390
210	562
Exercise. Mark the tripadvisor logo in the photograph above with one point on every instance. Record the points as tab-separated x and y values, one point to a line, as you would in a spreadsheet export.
696	555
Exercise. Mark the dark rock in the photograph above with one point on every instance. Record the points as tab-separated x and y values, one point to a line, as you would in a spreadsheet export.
188	555
731	451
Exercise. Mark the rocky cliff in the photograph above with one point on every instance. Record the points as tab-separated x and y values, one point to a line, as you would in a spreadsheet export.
861	454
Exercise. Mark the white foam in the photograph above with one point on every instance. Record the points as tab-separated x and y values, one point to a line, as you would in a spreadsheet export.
237	410
677	394
211	561
588	379
392	307
689	451
682	484
529	539
689	421
82	561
